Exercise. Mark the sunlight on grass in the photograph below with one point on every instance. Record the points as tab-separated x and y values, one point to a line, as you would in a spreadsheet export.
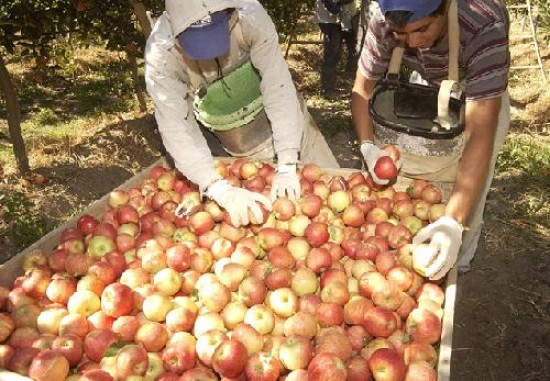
525	153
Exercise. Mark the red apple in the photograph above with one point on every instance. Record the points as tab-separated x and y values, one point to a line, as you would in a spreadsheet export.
327	367
262	366
295	352
131	360
49	365
386	365
385	168
230	358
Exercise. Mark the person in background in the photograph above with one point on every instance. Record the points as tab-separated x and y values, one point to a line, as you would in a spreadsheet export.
217	64
422	28
338	21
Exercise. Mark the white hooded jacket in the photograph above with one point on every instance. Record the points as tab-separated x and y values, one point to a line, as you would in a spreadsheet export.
169	86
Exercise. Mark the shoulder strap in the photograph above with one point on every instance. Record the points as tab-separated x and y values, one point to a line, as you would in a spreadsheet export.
451	84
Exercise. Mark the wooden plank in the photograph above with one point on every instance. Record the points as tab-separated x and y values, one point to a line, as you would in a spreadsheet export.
13	268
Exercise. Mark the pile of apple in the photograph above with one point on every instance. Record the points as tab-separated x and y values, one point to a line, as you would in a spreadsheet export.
320	289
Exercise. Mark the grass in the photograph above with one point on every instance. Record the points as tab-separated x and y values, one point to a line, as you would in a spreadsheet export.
65	108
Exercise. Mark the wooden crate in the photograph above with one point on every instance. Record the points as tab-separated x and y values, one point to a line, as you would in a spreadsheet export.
14	267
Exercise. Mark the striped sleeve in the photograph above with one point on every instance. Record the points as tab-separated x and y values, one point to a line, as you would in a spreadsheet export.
487	61
377	48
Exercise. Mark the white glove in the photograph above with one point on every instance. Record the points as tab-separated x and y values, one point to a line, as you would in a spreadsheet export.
237	201
371	153
285	182
445	237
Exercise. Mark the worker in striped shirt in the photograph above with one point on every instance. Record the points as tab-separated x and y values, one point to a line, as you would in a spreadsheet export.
464	164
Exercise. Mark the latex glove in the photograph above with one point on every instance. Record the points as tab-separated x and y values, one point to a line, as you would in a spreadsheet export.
285	182
237	201
371	153
445	237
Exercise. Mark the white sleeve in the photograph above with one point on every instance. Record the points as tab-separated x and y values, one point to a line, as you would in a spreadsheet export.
167	84
278	91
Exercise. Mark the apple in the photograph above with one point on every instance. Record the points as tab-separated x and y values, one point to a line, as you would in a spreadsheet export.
83	302
104	271
424	326
388	296
207	321
49	365
262	366
329	314
281	257
353	215
311	172
297	224
415	352
399	235
304	282
135	277
230	358
97	343
302	323
50	318
152	336
21	359
5	354
339	200
249	336
335	292
233	314
278	278
319	259
379	322
430	291
207	345
156	307
316	234
420	371
167	281
284	209
261	318
155	366
386	365
99	246
283	301
71	347
298	247
431	194
215	296
327	367
355	309
74	324
252	291
86	224
195	374
126	327
22	316
44	341
100	319
358	369
295	352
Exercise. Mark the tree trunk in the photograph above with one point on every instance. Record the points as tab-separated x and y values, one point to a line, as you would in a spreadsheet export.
136	82
14	118
143	19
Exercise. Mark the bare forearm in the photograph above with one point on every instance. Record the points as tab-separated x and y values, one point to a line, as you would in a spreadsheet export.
481	124
362	91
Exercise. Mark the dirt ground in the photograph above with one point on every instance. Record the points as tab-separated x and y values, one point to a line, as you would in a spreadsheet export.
502	311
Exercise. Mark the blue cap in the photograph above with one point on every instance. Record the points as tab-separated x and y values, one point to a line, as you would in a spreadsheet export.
207	38
419	8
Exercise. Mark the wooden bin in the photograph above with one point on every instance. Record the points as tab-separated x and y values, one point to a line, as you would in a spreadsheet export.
14	267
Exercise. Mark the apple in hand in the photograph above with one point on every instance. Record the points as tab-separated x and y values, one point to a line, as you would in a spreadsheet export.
385	168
